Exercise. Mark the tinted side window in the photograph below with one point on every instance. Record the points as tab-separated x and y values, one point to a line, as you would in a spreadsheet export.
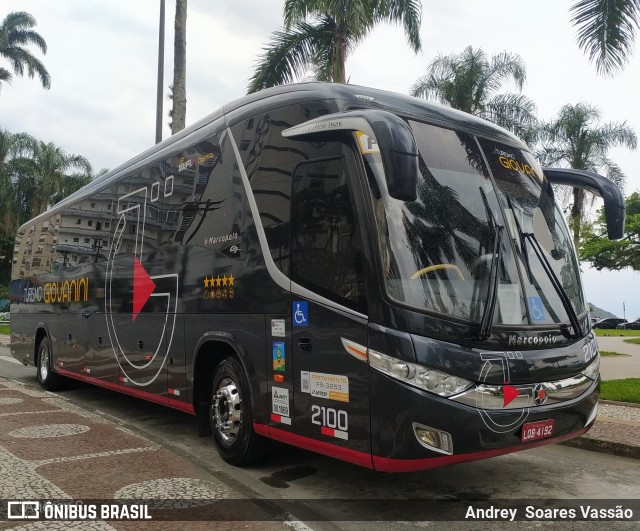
326	249
204	201
270	161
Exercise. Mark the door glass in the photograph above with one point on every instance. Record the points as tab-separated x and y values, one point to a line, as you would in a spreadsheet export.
326	243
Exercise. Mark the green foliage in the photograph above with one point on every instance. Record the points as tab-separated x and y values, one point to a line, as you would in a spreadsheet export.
33	176
625	390
606	353
633	341
5	329
15	33
469	82
319	34
606	31
603	253
6	253
576	139
616	333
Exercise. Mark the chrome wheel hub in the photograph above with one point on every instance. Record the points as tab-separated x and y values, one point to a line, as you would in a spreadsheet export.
44	364
226	411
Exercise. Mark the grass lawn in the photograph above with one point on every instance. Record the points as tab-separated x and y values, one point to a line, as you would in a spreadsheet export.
608	353
626	390
617	333
4	329
635	340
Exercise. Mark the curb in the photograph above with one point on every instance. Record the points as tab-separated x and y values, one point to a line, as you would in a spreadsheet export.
616	403
607	447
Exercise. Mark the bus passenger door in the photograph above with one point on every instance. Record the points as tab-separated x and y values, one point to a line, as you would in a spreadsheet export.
328	312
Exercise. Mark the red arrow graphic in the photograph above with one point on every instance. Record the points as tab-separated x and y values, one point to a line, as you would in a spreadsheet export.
143	287
509	393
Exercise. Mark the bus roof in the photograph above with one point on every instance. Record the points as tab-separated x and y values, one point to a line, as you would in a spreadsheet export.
344	95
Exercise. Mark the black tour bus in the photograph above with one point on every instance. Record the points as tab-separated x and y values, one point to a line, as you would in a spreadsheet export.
359	273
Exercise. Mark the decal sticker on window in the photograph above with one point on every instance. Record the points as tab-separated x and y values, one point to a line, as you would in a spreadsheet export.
330	386
278	328
536	309
509	161
509	303
300	313
279	361
280	405
367	144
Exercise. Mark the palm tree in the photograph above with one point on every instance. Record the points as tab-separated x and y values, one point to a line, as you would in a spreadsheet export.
319	34
15	33
43	174
606	30
575	139
13	147
469	81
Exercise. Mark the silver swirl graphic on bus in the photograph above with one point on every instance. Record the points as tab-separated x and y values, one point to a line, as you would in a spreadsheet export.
131	213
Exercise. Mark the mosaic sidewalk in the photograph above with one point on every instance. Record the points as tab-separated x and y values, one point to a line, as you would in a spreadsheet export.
51	449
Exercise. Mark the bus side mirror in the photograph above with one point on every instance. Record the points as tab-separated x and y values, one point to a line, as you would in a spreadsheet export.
393	136
614	207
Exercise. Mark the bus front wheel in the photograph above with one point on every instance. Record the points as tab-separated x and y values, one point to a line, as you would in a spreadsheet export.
231	416
48	379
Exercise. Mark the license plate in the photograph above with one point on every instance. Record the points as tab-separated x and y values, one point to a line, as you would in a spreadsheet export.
537	430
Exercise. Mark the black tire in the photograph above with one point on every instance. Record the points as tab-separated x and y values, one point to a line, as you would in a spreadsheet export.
48	379
231	416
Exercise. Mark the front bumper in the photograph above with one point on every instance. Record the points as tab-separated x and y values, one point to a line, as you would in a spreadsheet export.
475	433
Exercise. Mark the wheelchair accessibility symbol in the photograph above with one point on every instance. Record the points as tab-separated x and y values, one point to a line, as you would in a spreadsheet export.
300	312
536	309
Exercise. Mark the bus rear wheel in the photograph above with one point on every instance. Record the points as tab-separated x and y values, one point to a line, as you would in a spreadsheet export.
48	379
231	416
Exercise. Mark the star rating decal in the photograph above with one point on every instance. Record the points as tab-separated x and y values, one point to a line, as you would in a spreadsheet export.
217	282
219	287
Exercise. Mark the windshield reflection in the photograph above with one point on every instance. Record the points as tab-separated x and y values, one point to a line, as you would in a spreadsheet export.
441	251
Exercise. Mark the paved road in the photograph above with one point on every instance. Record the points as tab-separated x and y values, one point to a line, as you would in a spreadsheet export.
290	474
617	367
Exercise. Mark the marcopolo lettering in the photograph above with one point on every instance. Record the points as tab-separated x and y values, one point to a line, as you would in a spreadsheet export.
532	340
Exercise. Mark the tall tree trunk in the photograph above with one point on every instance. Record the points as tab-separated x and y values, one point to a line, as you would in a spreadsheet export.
576	214
179	68
339	60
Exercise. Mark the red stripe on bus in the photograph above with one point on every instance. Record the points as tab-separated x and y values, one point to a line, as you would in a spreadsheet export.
327	431
145	395
332	450
386	464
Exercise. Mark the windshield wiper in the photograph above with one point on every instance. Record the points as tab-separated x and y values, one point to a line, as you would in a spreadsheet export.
486	323
555	281
492	290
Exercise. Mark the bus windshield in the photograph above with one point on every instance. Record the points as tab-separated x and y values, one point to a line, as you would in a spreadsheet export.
469	235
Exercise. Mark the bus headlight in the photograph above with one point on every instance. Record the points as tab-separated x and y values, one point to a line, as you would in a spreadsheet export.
431	380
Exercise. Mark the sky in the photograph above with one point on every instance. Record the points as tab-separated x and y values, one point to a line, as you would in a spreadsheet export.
102	57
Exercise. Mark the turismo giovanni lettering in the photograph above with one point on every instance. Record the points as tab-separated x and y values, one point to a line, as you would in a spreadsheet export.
185	163
522	167
56	292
